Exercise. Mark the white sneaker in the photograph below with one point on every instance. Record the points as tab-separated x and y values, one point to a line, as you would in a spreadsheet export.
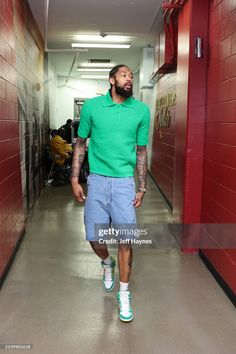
124	306
109	274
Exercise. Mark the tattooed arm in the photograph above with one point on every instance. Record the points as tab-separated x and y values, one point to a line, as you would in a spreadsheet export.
78	159
141	167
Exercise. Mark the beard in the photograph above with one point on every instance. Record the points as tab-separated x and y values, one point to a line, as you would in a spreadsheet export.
121	91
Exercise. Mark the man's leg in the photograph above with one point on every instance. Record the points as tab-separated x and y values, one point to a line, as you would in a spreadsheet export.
123	217
96	216
108	263
101	252
125	257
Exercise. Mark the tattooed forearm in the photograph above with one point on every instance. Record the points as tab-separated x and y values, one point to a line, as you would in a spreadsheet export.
141	166
78	157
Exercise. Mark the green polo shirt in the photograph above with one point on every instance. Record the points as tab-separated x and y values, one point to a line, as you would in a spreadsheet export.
114	130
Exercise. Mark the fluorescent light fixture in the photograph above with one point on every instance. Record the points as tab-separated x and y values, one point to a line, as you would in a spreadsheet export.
96	65
99	38
100	45
101	77
93	69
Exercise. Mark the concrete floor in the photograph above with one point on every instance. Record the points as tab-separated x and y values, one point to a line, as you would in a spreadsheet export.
53	296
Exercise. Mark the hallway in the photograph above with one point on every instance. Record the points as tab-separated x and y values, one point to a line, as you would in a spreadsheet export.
53	298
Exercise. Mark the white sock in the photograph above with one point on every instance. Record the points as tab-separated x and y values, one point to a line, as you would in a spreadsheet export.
107	261
124	286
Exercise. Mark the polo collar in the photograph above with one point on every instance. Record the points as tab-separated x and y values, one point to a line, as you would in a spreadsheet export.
129	102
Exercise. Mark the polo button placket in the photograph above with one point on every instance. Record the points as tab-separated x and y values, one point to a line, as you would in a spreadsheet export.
117	113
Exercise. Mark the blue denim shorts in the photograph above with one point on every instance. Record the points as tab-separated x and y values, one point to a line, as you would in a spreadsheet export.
109	201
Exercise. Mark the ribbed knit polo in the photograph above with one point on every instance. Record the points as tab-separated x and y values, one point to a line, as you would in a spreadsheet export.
115	129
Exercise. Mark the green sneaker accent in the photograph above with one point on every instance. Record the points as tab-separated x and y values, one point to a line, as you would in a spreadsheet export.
124	306
109	274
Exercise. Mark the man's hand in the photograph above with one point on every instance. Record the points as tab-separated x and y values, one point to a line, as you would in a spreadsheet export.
77	190
138	199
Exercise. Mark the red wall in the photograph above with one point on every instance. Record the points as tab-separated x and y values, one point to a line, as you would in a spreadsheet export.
11	201
181	110
190	113
163	148
205	131
23	124
219	183
177	160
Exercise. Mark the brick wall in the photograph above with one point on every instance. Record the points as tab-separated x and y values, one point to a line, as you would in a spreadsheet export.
23	122
11	211
163	148
219	197
219	183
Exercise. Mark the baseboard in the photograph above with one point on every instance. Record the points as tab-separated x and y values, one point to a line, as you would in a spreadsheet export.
12	258
162	194
18	243
228	291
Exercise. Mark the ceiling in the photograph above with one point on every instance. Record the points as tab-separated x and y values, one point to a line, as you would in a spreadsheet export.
60	20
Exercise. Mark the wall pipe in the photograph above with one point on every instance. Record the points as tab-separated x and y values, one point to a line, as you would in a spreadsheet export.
172	6
170	9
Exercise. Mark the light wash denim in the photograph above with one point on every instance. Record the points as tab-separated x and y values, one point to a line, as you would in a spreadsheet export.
109	201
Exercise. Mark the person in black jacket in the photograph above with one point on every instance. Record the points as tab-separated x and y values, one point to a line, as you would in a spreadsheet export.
66	130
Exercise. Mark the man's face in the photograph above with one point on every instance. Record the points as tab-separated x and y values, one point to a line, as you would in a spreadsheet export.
123	82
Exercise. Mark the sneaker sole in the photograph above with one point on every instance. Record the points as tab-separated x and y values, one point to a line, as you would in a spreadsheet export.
123	320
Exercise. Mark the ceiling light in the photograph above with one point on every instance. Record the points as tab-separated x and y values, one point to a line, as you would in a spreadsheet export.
99	45
96	65
93	69
99	60
99	38
101	77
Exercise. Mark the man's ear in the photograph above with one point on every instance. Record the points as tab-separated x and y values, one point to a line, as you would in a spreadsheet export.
112	81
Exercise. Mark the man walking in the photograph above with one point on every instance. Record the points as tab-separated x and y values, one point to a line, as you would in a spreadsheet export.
118	126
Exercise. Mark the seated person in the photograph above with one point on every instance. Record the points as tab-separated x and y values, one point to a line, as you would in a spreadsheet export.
66	129
60	150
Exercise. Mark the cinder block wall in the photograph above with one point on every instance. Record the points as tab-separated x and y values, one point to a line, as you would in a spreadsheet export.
23	122
219	183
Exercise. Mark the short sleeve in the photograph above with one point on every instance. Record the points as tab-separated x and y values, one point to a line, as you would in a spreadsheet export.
143	128
85	121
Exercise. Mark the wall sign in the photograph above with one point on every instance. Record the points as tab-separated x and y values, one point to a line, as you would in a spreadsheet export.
163	116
